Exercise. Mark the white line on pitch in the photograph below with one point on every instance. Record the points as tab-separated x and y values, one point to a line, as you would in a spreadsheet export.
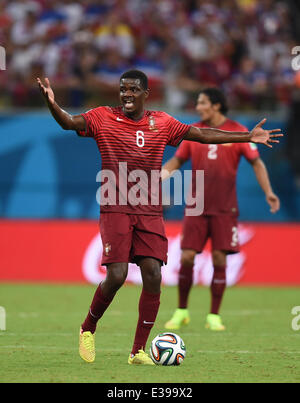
55	348
246	352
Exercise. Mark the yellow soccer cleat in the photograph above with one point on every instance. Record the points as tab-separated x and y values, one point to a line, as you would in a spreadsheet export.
140	358
214	322
180	317
87	346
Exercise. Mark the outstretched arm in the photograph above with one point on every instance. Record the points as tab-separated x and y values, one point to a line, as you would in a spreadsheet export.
264	182
216	136
170	166
64	119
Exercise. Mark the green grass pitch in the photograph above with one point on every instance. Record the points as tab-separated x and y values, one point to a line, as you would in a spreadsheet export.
40	343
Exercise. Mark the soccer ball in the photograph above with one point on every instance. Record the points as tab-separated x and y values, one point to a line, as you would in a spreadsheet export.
167	349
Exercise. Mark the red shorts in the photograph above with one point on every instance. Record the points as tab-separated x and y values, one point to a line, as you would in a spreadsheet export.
125	237
222	230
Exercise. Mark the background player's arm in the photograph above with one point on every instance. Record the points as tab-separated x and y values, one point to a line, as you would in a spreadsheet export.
170	166
63	118
216	136
262	176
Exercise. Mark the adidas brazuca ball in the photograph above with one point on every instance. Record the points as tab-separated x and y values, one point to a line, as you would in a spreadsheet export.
167	349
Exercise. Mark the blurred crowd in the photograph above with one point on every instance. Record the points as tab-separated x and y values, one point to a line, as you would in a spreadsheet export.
243	46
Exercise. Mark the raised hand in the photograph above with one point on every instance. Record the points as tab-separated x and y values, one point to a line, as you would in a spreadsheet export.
259	135
46	90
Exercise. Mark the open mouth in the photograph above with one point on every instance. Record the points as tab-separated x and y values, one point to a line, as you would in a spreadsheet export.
128	103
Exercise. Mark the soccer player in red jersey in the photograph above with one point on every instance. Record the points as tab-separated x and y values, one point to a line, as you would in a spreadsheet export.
219	219
131	141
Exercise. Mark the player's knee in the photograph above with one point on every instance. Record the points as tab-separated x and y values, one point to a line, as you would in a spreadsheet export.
117	277
188	258
154	274
151	273
219	258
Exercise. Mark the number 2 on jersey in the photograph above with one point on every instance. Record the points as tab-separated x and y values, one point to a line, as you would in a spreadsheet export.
140	140
212	151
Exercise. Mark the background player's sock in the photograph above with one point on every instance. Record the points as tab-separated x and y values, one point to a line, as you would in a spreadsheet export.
185	283
217	288
97	309
148	308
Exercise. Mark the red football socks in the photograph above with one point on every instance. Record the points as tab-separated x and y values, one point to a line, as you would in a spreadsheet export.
185	283
148	308
217	288
97	309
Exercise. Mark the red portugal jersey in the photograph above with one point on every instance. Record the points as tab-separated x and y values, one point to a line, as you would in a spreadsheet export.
219	163
132	153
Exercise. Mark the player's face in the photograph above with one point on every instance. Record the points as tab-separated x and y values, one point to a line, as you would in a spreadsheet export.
205	108
132	96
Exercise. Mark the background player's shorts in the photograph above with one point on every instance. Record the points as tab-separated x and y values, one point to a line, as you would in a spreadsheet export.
125	237
221	229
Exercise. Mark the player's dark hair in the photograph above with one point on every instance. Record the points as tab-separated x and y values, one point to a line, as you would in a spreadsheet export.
216	96
136	74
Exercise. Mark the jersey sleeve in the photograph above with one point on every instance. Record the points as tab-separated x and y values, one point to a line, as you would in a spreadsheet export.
93	121
184	151
176	131
249	151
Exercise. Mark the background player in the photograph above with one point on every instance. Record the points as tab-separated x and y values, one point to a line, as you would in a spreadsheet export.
219	219
133	232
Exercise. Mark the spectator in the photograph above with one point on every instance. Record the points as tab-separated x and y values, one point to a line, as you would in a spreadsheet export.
250	84
115	35
242	46
293	139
